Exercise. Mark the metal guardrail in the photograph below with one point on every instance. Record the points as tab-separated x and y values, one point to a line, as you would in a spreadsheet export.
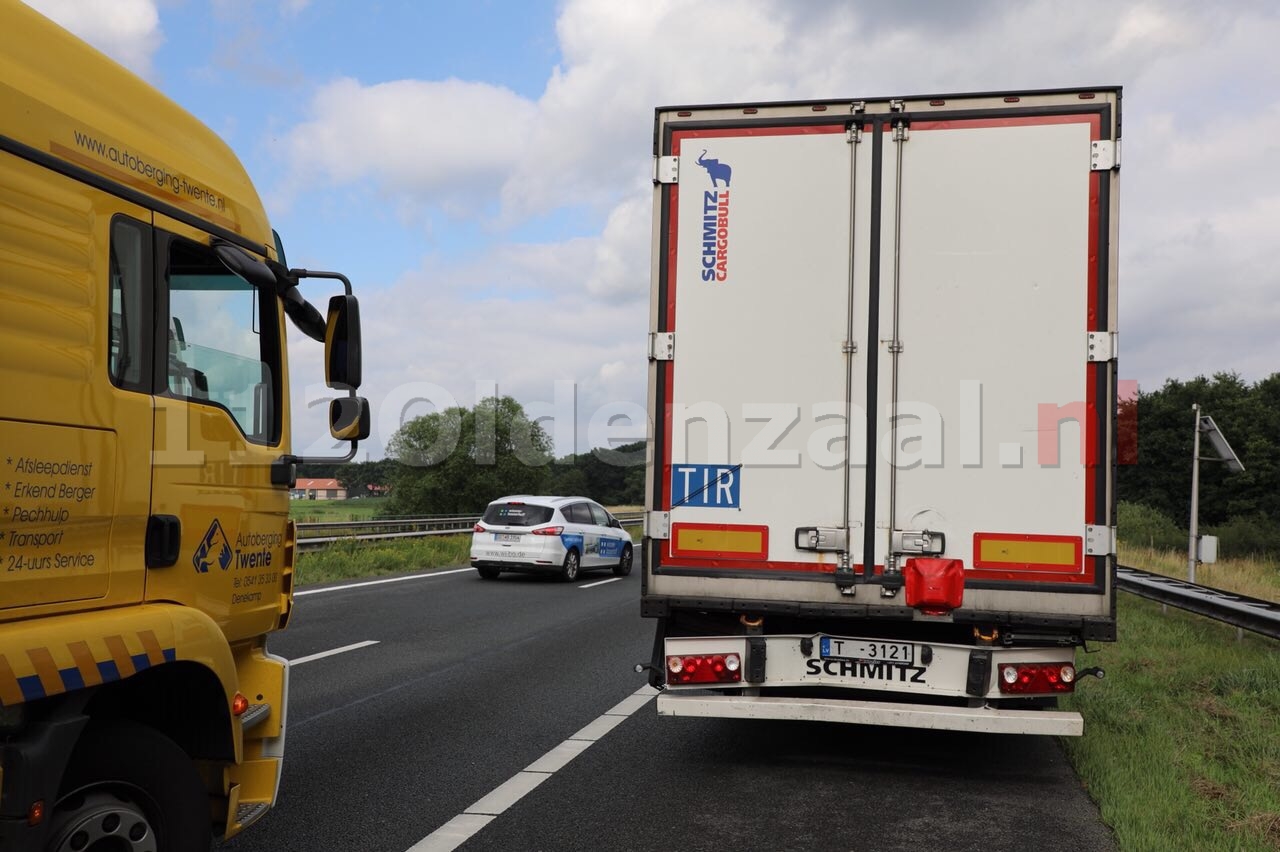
1248	613
383	530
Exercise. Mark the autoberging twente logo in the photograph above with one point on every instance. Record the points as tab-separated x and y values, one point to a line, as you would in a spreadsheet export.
715	220
214	547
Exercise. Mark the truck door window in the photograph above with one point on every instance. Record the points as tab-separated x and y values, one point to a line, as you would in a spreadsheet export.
127	355
223	341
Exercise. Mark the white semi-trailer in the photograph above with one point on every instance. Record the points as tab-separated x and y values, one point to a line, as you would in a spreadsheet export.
882	389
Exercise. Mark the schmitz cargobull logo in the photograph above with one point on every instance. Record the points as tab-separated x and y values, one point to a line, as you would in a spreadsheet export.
715	220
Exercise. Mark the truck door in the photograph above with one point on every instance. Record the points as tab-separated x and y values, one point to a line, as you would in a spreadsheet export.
219	425
995	238
756	440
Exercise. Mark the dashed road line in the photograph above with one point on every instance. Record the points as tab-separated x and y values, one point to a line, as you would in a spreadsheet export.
355	646
600	583
461	828
380	582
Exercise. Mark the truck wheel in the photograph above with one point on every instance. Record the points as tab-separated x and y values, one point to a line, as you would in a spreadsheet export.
489	573
569	572
623	568
129	788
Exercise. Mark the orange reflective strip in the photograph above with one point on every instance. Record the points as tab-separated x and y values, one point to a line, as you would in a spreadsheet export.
119	653
10	692
85	662
151	645
46	670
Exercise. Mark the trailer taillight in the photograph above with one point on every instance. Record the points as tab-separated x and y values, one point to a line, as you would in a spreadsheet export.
704	668
1037	678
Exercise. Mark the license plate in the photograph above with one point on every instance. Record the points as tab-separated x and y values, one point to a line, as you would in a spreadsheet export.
506	537
866	649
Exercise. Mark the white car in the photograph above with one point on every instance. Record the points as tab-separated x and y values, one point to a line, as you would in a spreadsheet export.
558	535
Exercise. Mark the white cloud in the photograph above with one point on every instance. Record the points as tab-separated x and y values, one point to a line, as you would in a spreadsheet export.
449	140
126	30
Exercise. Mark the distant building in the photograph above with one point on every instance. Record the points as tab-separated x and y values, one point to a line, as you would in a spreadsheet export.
318	489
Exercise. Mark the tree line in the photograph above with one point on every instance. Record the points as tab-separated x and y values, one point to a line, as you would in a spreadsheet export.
456	461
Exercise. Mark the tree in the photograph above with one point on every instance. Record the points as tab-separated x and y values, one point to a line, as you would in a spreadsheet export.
458	460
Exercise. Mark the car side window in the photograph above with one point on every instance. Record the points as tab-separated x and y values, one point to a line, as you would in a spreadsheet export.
599	514
578	513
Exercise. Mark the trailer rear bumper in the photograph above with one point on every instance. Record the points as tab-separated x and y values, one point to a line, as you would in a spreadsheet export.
985	719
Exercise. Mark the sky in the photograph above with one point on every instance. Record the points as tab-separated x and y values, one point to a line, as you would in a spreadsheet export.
481	170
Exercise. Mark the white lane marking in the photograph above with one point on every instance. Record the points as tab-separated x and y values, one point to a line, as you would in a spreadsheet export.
380	582
461	828
352	647
600	583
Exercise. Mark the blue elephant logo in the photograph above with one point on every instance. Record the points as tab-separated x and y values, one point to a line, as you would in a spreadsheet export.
716	170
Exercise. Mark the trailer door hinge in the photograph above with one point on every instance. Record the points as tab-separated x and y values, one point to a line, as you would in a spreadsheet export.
1105	155
1103	346
662	346
666	169
657	524
1099	540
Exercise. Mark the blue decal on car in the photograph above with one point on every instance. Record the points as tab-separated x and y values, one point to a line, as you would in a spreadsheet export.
571	541
611	548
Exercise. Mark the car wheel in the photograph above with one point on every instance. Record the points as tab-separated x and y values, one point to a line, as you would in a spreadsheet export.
623	568
489	573
130	788
569	572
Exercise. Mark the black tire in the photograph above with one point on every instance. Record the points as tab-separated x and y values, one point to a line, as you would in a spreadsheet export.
130	787
572	564
623	568
489	573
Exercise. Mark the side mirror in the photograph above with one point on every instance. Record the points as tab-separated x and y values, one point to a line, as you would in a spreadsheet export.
247	267
349	418
342	347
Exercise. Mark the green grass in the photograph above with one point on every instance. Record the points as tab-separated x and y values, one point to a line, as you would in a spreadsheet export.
351	560
1181	748
326	511
354	560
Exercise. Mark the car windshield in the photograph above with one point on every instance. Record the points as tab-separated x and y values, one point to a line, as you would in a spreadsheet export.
517	514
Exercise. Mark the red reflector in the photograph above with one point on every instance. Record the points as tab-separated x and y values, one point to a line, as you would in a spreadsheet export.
937	103
1086	96
35	813
1012	99
704	668
548	531
750	110
819	108
239	704
934	586
684	113
1036	678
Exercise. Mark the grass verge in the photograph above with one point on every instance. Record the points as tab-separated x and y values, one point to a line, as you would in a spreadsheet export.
1256	578
1182	740
327	511
350	560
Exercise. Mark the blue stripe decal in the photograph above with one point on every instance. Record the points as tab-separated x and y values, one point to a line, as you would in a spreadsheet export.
71	679
140	662
108	671
31	687
170	654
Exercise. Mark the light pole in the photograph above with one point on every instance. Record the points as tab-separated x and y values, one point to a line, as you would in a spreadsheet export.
1205	424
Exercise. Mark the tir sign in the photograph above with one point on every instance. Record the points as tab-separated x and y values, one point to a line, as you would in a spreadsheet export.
706	485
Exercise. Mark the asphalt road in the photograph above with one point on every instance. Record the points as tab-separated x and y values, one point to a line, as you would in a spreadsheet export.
470	682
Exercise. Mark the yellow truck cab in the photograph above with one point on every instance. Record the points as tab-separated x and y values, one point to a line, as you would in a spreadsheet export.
145	464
